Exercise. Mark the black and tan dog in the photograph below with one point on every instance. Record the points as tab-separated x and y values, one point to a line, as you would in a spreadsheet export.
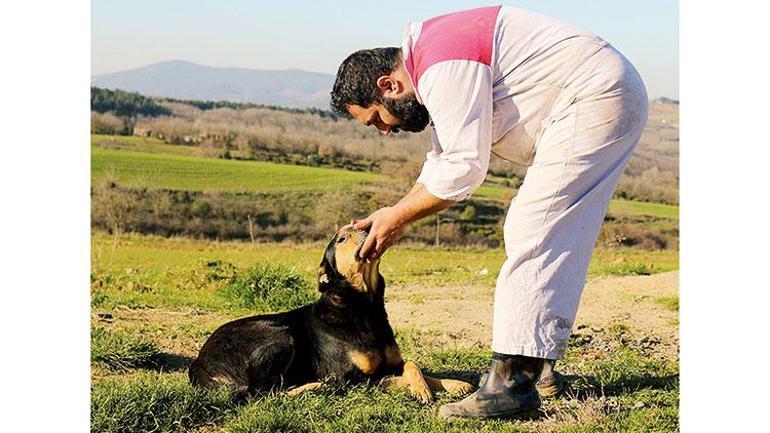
344	337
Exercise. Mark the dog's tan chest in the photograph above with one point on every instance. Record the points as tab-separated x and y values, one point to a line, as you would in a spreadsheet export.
366	361
369	361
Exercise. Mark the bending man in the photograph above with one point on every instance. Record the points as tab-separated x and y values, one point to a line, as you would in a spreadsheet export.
536	92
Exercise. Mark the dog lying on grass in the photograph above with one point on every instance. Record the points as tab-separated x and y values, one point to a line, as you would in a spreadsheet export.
344	337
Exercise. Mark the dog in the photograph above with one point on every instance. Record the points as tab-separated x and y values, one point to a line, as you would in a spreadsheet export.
344	337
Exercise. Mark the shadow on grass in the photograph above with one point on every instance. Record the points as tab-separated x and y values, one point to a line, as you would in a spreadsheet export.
583	387
171	362
470	376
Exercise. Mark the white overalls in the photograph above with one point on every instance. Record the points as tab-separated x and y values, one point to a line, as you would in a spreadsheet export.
540	93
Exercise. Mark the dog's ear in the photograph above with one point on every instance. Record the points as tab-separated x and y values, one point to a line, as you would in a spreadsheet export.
327	270
325	276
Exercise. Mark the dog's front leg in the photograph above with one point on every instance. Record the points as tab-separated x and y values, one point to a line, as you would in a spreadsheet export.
412	380
303	388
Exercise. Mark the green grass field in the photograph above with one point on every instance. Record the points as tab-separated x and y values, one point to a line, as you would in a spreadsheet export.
176	172
161	265
150	163
155	300
140	144
489	190
621	207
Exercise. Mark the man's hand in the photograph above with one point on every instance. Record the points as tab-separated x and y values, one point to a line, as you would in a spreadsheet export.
385	228
386	225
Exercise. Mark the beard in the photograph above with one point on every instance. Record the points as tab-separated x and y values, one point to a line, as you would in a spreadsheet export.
412	116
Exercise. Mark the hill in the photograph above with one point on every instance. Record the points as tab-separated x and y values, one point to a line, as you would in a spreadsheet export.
184	80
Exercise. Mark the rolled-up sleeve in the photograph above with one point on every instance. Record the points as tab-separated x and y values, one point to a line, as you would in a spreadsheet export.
458	95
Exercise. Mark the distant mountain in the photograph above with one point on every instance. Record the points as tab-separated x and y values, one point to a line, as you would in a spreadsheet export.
185	80
665	100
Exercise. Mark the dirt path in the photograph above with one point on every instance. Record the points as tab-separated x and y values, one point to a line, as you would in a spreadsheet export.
449	315
463	315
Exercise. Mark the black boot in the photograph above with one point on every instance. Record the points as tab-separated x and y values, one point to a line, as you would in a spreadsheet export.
508	390
551	383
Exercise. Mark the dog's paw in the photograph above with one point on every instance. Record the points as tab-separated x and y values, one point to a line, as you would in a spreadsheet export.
421	392
304	388
457	387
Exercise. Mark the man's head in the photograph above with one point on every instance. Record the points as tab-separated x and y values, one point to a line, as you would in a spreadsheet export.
374	88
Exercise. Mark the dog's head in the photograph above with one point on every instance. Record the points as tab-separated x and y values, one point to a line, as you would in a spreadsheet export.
341	267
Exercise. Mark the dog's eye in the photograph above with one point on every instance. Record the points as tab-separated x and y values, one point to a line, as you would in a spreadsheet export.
341	239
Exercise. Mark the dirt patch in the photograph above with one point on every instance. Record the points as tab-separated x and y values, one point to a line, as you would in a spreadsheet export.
448	315
178	333
463	314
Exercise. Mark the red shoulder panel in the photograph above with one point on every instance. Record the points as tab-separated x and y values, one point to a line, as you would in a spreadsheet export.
465	35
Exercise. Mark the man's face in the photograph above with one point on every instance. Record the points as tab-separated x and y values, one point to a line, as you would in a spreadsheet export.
393	115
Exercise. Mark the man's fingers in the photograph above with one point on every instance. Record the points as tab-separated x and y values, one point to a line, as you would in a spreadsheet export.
379	250
363	224
368	244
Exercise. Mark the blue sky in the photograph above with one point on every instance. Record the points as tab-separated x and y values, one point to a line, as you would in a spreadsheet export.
318	35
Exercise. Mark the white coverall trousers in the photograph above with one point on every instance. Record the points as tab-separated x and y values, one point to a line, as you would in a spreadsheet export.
553	223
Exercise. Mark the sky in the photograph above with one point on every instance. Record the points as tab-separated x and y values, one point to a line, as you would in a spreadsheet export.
318	35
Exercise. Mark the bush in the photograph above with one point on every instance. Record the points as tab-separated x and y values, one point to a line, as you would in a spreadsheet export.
624	269
638	234
269	287
120	351
108	123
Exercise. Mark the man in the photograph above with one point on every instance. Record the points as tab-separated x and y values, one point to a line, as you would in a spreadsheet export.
536	92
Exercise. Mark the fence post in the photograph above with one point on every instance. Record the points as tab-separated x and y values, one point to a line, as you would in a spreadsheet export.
251	228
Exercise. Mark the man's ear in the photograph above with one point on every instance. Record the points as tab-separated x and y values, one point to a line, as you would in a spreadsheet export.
389	86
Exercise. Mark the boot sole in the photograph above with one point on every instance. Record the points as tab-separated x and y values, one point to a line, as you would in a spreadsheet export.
523	414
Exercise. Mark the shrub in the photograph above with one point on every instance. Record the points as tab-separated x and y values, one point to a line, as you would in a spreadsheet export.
624	269
269	287
211	272
120	351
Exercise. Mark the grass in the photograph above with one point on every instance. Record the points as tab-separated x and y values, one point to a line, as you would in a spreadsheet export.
669	302
269	287
616	385
490	190
140	144
620	207
154	402
403	264
146	271
617	388
187	173
119	351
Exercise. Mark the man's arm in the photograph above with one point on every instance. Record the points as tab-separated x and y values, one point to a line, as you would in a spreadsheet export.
458	96
419	203
417	186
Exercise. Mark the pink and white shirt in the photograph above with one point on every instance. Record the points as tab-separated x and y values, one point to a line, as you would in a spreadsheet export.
483	74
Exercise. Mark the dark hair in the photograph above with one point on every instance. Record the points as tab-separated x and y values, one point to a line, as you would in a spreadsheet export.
357	76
